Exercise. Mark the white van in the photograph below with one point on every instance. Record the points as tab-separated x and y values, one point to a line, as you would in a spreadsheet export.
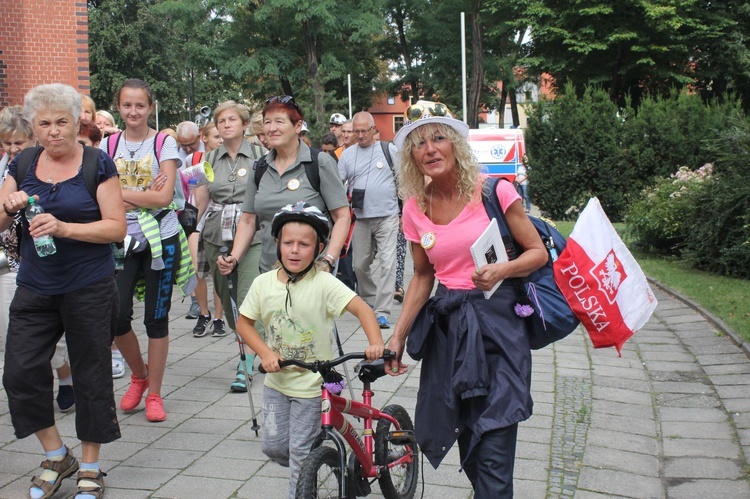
499	151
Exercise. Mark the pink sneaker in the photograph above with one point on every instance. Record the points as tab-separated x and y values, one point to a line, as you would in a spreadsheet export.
135	392
155	408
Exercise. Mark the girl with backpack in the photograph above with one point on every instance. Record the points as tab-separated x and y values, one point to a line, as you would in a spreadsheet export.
144	157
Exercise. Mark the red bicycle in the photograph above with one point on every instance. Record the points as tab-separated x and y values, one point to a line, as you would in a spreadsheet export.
388	455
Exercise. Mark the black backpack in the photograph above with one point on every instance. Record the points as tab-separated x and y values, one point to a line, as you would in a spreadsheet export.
89	165
312	170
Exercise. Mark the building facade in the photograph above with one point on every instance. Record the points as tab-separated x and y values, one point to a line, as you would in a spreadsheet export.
42	41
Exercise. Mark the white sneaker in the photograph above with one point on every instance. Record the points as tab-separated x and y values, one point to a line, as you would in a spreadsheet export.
118	364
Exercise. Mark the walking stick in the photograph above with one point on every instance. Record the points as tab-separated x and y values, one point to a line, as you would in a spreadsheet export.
233	299
341	353
341	350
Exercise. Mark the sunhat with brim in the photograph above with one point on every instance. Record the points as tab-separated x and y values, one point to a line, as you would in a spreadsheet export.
458	125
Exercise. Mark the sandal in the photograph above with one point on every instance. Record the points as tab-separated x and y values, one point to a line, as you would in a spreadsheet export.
64	468
91	482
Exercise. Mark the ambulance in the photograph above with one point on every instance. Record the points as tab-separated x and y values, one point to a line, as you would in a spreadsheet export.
499	151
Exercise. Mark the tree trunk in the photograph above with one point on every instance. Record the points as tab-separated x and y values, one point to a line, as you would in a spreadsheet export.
509	90
312	71
411	79
514	108
501	107
477	67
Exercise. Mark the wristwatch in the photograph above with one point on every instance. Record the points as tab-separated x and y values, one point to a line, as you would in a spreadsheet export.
330	260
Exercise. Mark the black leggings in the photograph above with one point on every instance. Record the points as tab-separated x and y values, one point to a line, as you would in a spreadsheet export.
158	288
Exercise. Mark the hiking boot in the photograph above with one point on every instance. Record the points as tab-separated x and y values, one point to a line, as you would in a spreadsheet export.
195	309
200	330
135	392
217	327
66	399
238	385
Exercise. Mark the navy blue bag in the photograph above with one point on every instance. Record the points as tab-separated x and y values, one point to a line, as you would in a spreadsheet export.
553	318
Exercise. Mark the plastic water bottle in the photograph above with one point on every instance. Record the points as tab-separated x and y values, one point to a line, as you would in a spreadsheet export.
45	245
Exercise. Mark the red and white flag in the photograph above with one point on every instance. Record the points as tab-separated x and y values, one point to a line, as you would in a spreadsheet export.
602	282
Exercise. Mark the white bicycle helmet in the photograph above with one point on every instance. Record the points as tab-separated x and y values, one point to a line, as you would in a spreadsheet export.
337	119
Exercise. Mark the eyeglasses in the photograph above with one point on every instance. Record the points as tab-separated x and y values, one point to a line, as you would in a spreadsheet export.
192	146
286	99
361	132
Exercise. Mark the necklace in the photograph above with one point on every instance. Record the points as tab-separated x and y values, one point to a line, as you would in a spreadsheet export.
455	208
46	165
132	153
232	167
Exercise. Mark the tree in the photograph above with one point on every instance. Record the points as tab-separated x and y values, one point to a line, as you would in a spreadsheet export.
629	47
400	45
310	61
721	60
125	41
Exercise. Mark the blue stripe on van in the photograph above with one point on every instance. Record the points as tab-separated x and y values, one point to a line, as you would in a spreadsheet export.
499	168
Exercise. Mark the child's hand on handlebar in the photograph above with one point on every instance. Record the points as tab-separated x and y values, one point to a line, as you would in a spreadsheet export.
374	351
270	363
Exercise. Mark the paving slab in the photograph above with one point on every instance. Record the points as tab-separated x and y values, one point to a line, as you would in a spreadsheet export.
668	419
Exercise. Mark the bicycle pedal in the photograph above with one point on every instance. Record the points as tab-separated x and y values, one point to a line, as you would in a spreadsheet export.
402	437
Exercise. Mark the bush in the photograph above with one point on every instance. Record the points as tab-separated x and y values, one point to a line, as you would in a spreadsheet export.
666	133
718	239
661	218
573	150
584	146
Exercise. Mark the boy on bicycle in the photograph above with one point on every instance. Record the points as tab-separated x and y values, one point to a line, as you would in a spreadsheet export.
297	303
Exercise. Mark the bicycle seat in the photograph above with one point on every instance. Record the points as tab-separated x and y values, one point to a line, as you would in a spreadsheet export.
370	371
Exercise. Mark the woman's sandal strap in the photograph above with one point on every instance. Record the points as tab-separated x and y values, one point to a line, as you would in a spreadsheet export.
64	468
47	487
91	482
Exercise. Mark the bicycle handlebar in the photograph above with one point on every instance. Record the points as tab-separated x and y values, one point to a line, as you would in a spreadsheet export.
319	365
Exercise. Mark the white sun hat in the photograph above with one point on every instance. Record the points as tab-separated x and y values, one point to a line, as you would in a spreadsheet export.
424	113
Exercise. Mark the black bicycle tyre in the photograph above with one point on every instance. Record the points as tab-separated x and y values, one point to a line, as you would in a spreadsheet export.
307	483
382	449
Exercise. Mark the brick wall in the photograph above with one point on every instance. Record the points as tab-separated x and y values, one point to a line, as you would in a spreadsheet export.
42	41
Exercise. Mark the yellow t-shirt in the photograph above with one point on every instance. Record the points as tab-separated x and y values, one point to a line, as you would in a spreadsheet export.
304	331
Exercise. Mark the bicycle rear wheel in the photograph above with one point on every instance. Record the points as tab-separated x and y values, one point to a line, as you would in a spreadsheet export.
320	475
397	482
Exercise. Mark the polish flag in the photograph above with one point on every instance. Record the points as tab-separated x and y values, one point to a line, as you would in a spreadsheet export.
602	282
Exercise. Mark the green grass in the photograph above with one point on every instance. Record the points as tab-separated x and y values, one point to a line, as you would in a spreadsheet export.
724	297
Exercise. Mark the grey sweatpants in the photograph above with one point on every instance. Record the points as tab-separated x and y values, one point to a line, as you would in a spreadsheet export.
290	426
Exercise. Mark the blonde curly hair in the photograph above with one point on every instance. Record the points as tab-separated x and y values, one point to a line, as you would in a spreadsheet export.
412	180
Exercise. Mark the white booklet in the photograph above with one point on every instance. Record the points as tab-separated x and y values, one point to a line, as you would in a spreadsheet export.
489	248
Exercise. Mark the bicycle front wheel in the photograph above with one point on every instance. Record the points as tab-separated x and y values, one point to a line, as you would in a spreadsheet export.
320	475
396	481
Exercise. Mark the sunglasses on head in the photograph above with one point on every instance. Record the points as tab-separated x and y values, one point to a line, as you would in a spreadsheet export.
285	99
417	111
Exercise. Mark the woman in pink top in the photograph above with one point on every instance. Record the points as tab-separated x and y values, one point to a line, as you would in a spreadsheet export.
476	369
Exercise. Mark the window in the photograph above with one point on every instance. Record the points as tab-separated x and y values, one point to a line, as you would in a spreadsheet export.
391	101
398	123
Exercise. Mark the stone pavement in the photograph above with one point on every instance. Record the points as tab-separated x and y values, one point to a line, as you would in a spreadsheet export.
668	419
